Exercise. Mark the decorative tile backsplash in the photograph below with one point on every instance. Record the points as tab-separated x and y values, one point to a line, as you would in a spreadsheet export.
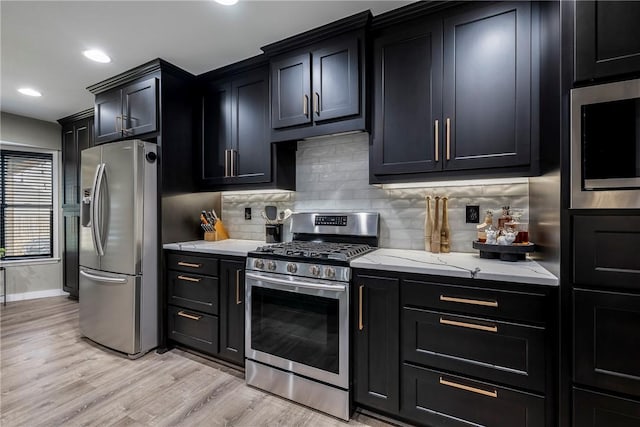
333	175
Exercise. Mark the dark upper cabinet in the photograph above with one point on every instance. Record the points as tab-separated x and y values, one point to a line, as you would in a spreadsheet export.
291	89
376	345
606	39
453	93
232	311
77	134
126	112
216	132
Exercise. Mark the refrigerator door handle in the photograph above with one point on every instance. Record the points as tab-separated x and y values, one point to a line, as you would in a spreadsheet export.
92	219
105	279
96	209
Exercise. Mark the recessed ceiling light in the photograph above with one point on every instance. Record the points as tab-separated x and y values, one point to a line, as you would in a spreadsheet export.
227	2
97	55
29	92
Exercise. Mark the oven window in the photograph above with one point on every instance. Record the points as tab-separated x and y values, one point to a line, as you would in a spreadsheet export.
297	327
611	140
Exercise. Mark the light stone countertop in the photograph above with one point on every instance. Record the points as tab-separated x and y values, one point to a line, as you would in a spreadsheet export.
234	247
467	265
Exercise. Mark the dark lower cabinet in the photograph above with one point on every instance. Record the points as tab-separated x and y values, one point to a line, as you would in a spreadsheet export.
591	409
70	259
232	305
193	291
376	345
436	398
194	329
606	39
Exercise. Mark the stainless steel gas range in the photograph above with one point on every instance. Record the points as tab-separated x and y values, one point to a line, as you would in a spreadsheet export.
297	311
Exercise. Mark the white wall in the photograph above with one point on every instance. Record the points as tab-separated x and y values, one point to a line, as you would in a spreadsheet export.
333	174
34	279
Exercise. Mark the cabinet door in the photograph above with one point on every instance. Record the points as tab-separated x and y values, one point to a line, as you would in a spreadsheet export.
108	116
140	107
232	311
376	343
486	92
607	41
216	144
407	100
70	164
250	128
290	91
336	82
70	259
606	350
592	409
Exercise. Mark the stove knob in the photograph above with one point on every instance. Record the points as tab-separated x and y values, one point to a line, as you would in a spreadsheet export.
330	272
315	270
271	265
259	264
292	268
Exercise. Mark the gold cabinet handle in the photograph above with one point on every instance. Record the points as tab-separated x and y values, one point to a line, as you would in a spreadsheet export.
189	279
189	264
233	155
189	316
316	103
305	105
436	134
493	328
360	325
493	393
469	301
238	287
448	125
119	121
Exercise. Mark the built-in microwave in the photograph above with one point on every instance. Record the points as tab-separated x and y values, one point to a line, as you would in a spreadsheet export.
605	146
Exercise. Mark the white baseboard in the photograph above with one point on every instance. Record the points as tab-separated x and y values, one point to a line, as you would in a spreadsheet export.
36	294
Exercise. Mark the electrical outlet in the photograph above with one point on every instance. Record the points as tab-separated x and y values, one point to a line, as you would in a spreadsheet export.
247	214
473	214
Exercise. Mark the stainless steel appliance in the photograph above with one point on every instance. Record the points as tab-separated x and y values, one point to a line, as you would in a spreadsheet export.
119	247
297	311
605	146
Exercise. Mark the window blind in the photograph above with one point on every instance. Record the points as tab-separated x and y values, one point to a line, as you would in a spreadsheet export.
26	202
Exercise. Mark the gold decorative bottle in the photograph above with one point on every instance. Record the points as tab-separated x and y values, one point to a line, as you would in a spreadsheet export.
444	228
435	234
428	226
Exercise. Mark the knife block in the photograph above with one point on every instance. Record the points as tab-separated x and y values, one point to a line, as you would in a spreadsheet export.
210	236
221	231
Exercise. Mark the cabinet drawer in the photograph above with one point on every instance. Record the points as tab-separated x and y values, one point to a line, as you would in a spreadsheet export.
435	398
606	351
485	302
602	410
605	251
193	291
193	329
192	264
498	351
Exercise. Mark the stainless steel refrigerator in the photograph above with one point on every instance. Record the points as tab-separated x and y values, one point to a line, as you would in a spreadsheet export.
119	246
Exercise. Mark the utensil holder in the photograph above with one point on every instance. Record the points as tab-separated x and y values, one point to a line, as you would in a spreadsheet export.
210	236
273	233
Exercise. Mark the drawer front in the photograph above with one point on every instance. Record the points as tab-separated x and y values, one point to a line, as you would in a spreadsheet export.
492	303
434	398
602	410
497	351
194	329
193	291
192	264
606	347
605	251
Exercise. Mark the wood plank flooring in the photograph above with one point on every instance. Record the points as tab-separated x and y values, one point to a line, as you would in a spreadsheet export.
51	376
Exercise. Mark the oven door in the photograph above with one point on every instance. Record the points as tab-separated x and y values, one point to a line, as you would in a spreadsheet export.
299	325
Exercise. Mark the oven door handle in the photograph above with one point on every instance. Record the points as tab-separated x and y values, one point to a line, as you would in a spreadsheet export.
293	283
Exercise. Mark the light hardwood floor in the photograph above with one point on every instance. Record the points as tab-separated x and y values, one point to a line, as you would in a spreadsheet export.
51	376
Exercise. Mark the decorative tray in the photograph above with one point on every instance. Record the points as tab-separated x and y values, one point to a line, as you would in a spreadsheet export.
513	252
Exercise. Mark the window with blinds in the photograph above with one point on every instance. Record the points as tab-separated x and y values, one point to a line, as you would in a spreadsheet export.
26	202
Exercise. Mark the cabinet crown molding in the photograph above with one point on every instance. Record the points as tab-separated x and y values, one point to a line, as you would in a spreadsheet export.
84	114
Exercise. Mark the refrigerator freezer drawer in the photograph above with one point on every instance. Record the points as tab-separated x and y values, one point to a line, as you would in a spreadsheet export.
109	309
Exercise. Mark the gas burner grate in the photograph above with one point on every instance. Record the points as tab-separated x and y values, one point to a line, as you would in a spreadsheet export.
333	251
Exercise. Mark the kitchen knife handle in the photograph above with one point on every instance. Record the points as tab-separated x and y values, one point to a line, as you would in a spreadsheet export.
238	301
305	105
189	264
448	125
316	103
436	138
448	383
360	325
189	316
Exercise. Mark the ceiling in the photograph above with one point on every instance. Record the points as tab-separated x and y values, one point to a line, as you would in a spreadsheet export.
42	41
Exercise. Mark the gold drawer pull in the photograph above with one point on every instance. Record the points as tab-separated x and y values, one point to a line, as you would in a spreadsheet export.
188	279
238	301
493	393
469	301
189	264
360	324
189	316
493	328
